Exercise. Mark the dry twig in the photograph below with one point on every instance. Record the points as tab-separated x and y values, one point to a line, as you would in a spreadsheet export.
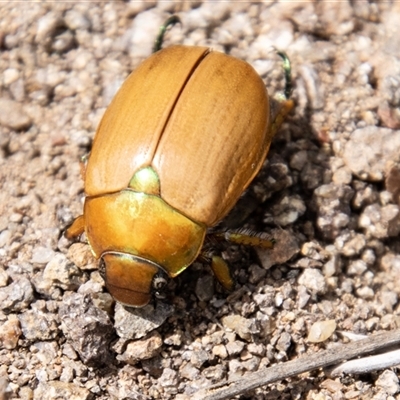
322	359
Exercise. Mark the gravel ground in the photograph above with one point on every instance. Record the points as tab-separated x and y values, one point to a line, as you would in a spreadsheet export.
330	194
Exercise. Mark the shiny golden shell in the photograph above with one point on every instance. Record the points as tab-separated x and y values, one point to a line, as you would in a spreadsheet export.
199	118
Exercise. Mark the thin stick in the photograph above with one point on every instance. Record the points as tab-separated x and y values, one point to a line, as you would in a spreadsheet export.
225	390
366	364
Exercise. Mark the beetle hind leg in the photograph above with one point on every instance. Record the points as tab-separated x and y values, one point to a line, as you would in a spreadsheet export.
246	237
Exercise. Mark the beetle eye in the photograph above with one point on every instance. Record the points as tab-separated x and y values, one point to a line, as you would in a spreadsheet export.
102	268
159	283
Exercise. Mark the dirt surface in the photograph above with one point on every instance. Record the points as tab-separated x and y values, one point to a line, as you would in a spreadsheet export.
330	190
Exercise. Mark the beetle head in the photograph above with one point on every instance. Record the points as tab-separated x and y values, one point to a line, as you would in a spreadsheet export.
131	279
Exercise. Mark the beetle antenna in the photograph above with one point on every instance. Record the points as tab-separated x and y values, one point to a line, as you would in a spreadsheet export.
287	68
171	21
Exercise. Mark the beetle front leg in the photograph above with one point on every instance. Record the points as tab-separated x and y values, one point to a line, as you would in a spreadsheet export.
83	165
220	269
243	236
76	228
222	272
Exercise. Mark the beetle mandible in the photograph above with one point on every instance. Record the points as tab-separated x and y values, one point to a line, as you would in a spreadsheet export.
182	139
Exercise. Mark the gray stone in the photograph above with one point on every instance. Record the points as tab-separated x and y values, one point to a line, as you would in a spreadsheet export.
88	328
369	149
38	325
313	280
16	296
135	323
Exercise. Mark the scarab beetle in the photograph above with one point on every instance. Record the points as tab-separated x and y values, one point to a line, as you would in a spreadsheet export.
181	140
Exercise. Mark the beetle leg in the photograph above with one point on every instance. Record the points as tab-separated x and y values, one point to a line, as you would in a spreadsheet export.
242	236
281	105
82	165
222	272
280	108
76	228
288	73
220	269
171	21
245	237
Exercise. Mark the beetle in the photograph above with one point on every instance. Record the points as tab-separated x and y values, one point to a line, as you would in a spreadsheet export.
182	139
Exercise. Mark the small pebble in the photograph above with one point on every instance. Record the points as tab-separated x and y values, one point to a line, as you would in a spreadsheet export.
357	267
380	222
234	348
142	349
16	296
174	339
76	20
81	256
332	203
287	211
10	332
321	331
256	273
169	377
205	288
365	292
220	351
10	75
3	277
199	357
189	372
362	153
245	328
60	390
285	247
389	381
13	115
313	280
284	342
38	325
42	255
